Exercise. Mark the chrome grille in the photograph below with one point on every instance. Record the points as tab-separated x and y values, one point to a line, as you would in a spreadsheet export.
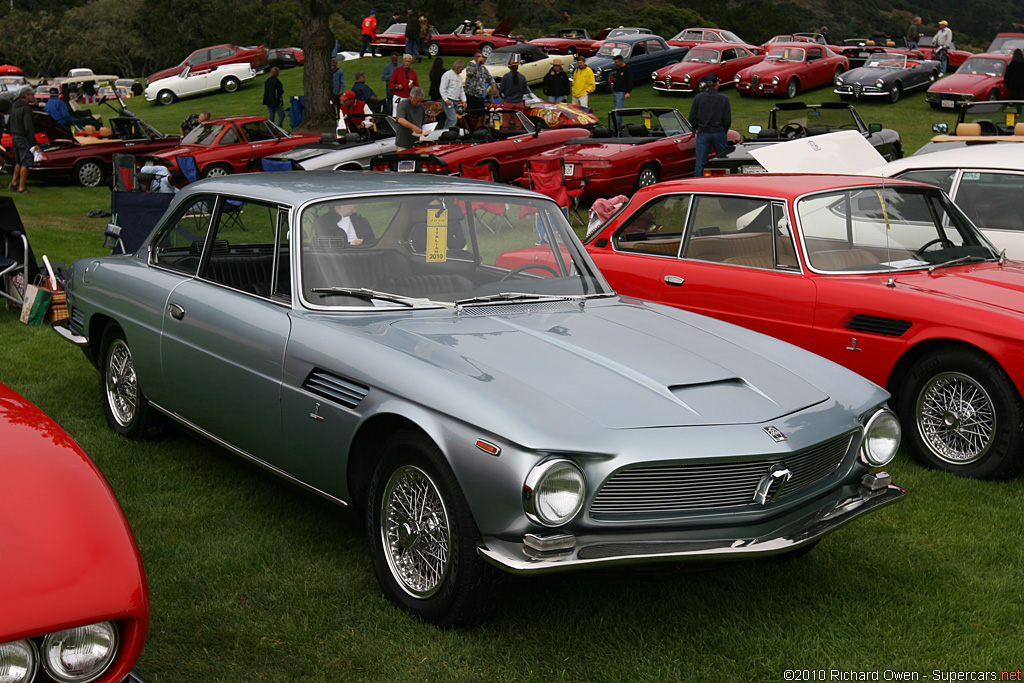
857	89
754	80
678	488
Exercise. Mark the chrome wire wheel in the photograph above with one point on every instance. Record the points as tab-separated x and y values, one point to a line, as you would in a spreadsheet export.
956	418
121	385
415	531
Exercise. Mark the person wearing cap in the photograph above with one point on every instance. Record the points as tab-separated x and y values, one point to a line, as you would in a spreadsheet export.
943	38
556	82
369	33
365	92
583	82
273	97
453	93
621	79
58	109
513	91
355	114
23	135
711	117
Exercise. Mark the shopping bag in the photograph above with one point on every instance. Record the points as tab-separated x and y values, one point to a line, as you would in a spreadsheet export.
37	303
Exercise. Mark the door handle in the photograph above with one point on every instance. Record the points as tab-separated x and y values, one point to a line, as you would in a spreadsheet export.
674	281
176	311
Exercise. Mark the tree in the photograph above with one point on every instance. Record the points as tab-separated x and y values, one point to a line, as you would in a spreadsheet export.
102	44
317	41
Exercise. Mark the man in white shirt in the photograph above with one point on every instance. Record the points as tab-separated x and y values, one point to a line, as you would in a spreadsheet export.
453	93
943	38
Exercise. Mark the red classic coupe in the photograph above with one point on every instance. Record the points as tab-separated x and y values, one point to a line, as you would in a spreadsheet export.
691	37
639	147
888	278
73	589
978	78
465	41
571	41
687	77
214	56
790	68
232	144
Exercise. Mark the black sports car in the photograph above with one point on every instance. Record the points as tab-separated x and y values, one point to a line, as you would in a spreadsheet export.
888	75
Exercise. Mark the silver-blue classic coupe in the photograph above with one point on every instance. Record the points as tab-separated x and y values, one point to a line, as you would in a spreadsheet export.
442	355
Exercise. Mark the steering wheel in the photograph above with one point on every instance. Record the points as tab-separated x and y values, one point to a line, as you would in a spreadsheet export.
529	266
923	247
791	131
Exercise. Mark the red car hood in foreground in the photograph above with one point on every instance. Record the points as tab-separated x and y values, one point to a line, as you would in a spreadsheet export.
988	284
71	559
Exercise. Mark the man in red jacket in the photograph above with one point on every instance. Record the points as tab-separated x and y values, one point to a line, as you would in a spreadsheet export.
403	79
369	33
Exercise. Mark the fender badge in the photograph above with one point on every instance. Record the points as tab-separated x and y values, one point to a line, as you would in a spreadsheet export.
316	413
775	434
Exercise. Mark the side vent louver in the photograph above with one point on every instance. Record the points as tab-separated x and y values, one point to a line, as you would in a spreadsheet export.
335	389
890	327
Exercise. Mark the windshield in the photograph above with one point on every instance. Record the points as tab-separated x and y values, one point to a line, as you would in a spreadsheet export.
730	37
878	229
500	58
786	54
203	134
434	248
982	65
646	123
885	60
702	55
994	117
610	49
1006	44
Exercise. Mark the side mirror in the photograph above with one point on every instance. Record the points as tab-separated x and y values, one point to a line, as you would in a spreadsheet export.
874	128
754	129
940	128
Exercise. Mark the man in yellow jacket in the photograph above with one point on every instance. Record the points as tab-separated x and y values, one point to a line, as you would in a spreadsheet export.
582	82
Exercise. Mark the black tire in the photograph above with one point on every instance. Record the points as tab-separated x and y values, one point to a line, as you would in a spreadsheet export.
895	92
993	94
647	175
836	74
433	49
125	406
962	414
792	88
90	172
486	49
215	171
847	98
449	585
166	97
701	86
230	84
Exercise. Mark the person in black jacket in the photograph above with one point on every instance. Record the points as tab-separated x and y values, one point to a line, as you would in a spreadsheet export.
342	221
711	117
1014	76
556	82
621	79
273	97
23	135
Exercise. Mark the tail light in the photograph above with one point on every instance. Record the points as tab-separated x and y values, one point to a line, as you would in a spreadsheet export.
715	171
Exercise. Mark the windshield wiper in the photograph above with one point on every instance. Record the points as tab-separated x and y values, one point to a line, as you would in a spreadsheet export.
957	262
363	293
505	296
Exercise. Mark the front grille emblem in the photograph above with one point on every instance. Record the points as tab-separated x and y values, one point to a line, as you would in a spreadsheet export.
775	433
771	484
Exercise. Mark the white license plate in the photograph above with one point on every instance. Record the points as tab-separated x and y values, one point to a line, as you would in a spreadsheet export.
406	166
753	169
948	104
570	169
864	54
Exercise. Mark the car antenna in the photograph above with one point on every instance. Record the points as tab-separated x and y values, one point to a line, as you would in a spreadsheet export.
888	254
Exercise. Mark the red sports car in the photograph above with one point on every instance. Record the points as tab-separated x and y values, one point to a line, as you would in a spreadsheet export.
571	41
889	279
690	37
640	147
393	39
505	156
464	41
790	68
212	57
956	57
232	144
73	589
978	78
687	77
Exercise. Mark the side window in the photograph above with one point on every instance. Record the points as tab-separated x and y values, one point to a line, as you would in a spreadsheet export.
813	53
256	132
179	244
657	229
230	137
221	52
991	200
200	56
737	230
244	249
282	288
939	177
654	46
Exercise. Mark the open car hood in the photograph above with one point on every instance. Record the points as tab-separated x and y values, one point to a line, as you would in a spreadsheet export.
845	151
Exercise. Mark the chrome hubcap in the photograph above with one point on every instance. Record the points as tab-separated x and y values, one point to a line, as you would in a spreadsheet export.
956	418
90	175
122	386
416	533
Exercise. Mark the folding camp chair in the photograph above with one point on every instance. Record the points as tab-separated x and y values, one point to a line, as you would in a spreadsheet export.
547	176
18	266
124	173
493	213
232	211
270	165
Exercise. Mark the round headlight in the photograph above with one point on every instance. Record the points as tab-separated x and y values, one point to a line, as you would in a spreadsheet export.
686	78
839	80
879	83
18	661
655	76
736	78
554	492
881	439
775	80
82	654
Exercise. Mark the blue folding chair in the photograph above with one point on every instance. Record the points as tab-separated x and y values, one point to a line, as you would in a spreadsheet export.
271	165
187	166
232	210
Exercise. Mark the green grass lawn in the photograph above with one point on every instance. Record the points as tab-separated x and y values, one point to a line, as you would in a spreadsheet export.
253	580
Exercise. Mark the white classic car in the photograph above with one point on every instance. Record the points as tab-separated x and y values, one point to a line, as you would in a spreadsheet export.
192	82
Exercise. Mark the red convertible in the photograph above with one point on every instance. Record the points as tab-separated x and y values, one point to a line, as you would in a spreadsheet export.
232	144
889	279
790	68
687	77
464	41
640	147
978	78
73	589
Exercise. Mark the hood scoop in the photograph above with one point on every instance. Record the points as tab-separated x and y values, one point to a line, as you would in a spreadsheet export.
720	401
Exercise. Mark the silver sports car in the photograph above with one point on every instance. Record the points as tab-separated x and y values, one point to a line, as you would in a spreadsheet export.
443	355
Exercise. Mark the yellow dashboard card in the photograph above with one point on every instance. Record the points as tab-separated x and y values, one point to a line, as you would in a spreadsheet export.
437	235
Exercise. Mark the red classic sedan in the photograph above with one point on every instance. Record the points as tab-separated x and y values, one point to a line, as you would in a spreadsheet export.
978	78
687	77
75	605
790	68
640	147
233	144
887	278
465	41
212	57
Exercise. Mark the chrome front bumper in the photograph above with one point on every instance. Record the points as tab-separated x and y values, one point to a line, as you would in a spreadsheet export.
793	530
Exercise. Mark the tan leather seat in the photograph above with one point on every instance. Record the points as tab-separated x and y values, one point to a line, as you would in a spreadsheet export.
1018	129
841	259
968	129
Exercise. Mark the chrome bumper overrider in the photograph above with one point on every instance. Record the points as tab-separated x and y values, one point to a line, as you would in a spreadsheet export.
597	550
61	328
